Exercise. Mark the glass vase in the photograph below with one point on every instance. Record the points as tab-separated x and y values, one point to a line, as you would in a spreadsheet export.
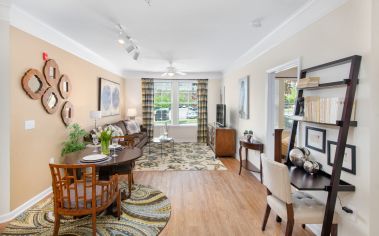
105	147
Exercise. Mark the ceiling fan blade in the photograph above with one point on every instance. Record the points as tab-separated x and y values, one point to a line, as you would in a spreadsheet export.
164	74
181	73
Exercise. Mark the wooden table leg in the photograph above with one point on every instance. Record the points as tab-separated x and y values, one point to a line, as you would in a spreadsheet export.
260	167
240	152
130	182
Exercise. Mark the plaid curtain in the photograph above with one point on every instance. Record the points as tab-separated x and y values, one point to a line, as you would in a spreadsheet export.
148	105
202	120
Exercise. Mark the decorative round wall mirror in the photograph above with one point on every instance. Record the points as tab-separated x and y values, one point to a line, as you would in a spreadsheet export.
51	72
50	100
67	113
34	84
64	86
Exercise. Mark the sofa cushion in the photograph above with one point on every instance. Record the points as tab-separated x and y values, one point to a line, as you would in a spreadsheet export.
122	126
132	127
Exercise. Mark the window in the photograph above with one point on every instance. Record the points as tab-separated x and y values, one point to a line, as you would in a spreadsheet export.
175	102
290	94
187	103
162	102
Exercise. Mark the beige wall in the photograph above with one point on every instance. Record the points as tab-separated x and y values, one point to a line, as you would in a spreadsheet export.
344	32
31	150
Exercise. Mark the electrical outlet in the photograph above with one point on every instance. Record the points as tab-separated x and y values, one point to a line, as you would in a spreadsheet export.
52	160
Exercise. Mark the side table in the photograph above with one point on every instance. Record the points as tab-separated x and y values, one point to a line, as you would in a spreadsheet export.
252	145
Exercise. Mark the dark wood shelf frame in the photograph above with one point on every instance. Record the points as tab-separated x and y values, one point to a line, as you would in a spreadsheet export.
335	184
339	123
334	84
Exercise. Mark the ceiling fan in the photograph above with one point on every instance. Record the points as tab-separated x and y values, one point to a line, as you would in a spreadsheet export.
171	71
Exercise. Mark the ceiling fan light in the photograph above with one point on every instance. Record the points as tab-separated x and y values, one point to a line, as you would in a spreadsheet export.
171	74
130	48
136	55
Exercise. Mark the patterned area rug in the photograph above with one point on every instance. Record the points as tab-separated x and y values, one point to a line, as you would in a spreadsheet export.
145	213
186	156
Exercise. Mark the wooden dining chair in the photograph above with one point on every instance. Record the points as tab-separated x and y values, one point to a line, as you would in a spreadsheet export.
77	192
294	207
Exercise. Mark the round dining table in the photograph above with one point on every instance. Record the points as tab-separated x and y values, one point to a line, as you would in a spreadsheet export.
122	164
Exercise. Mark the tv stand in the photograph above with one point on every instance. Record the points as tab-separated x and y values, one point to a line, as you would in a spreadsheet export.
222	140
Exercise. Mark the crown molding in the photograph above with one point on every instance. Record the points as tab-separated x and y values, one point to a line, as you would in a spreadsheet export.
305	16
28	23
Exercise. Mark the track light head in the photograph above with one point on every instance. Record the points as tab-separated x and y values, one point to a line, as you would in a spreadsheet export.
130	48
136	55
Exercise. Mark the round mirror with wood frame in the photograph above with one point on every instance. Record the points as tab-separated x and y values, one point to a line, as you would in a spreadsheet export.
67	113
64	86
51	72
34	84
51	100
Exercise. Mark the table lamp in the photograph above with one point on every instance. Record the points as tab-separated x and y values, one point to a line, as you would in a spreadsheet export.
95	115
132	113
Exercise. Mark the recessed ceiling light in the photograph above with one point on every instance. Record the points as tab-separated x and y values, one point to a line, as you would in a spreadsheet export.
256	23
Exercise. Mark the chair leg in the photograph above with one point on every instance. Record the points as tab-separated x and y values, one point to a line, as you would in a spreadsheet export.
267	214
118	205
94	224
334	231
289	228
303	225
57	222
278	219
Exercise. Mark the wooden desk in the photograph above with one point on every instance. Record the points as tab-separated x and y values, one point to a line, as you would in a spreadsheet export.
317	182
252	145
122	164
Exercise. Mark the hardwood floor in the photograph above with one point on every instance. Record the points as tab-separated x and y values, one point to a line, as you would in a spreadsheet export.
214	202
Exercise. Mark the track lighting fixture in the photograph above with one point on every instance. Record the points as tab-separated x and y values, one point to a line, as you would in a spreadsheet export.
125	39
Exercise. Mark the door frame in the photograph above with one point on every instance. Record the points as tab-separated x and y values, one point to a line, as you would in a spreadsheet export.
270	111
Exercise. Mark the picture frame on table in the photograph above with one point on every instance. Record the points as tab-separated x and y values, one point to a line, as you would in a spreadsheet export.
109	97
349	160
315	139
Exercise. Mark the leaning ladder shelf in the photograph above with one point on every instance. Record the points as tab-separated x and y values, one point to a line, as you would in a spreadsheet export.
344	124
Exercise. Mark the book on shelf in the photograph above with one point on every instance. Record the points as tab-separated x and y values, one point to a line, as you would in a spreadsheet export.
324	110
308	82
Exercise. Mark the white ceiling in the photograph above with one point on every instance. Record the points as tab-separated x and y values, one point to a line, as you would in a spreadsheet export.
198	35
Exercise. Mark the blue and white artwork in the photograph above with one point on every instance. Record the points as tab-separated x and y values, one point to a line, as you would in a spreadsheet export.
109	101
243	107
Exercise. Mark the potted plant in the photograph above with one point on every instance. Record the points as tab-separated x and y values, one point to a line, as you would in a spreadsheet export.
105	137
75	139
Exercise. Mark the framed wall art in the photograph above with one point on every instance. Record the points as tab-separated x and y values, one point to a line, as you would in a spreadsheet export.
349	160
315	138
243	108
109	97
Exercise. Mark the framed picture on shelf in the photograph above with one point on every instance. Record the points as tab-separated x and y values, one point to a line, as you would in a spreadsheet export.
243	108
349	159
109	97
315	138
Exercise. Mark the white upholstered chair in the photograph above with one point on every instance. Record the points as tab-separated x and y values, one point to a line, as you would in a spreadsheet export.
294	207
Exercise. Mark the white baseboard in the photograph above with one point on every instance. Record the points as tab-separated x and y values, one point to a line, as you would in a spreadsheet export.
16	212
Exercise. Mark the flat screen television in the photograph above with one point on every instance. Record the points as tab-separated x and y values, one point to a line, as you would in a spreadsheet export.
221	115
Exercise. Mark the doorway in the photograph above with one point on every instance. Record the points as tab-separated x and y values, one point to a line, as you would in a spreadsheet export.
281	99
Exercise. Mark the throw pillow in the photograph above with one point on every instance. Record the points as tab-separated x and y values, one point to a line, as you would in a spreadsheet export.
133	127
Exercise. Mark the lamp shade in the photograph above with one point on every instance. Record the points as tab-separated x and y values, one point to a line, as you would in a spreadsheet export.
132	112
95	115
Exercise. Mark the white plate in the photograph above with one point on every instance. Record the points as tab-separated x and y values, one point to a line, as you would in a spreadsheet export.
114	146
95	157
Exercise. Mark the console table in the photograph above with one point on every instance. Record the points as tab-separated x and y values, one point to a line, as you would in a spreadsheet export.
252	145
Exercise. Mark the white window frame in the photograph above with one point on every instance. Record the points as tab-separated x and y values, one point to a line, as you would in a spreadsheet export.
175	102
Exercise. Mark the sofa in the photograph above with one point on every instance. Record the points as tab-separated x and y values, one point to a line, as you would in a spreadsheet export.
138	140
